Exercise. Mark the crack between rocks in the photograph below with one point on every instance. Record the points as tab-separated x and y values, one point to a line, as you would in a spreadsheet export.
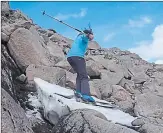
12	59
87	122
11	119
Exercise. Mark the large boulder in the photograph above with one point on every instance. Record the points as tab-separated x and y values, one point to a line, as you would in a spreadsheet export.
26	49
113	77
89	121
93	69
120	94
52	75
151	128
55	50
149	105
14	119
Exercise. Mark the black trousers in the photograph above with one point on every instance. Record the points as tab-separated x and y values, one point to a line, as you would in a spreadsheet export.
79	66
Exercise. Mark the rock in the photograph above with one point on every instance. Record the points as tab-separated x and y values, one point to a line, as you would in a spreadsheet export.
26	49
22	78
65	65
49	74
153	86
14	119
5	38
50	33
128	85
149	104
103	87
52	30
40	126
114	73
93	70
38	36
138	122
71	80
8	29
120	93
112	77
56	51
42	31
46	39
5	6
9	71
89	121
151	128
93	45
94	90
57	38
139	80
127	106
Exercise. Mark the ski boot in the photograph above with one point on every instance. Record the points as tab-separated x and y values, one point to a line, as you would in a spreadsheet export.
87	99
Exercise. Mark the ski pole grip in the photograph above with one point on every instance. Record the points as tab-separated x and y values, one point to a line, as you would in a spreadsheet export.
43	13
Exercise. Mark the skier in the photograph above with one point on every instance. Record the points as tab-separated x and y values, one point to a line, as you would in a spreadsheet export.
75	57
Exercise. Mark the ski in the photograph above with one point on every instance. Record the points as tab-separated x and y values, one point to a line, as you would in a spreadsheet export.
79	98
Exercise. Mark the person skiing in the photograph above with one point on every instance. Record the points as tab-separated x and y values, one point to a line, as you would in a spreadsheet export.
75	57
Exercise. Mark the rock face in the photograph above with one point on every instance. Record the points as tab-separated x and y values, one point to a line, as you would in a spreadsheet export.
89	121
14	119
9	72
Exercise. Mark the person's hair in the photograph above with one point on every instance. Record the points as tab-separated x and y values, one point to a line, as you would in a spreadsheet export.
88	31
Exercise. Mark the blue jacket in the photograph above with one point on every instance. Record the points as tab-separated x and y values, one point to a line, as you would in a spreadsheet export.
79	46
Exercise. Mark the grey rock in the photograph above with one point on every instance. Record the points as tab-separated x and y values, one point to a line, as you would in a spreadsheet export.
71	80
5	6
14	119
50	33
22	78
89	121
149	105
26	49
151	128
92	69
93	45
9	71
138	122
46	39
94	90
103	87
128	85
52	75
114	72
120	93
56	51
127	106
4	38
65	65
42	31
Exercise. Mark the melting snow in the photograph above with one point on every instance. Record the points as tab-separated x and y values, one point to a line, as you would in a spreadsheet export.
52	102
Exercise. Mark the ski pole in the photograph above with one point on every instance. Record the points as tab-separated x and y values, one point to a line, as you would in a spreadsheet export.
62	22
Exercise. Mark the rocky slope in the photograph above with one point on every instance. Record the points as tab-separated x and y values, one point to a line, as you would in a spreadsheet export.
28	51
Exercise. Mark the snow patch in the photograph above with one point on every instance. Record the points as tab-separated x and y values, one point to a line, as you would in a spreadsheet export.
52	102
